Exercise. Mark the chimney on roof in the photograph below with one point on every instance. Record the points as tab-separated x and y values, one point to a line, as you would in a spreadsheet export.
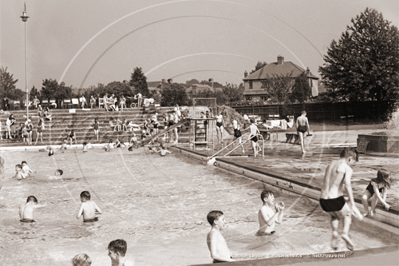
307	71
280	60
163	81
245	74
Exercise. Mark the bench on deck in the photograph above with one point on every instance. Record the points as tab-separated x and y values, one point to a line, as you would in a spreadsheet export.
290	136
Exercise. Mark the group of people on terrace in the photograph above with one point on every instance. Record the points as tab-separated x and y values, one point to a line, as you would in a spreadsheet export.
26	131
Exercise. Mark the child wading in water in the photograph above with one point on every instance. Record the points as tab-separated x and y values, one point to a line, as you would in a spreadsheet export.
377	190
88	208
26	210
216	243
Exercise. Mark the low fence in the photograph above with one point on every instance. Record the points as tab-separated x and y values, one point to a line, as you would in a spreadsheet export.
361	111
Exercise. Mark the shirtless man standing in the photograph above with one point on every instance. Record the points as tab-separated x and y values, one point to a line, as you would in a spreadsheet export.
332	200
219	127
302	126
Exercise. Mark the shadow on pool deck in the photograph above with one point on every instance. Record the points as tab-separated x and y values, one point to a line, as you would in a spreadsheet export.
374	256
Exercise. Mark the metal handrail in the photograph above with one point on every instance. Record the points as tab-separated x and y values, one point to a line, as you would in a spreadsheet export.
226	147
260	138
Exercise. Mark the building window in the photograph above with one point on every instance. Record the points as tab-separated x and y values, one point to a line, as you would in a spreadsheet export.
250	85
265	84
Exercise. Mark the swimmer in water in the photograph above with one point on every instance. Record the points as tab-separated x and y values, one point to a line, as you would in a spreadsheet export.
269	214
25	168
338	175
88	208
117	251
163	151
216	243
109	146
19	174
377	190
81	259
26	209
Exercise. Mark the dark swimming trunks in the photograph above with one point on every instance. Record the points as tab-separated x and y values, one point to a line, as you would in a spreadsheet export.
91	220
254	139
302	129
219	124
171	123
95	126
332	205
370	188
27	220
39	129
237	133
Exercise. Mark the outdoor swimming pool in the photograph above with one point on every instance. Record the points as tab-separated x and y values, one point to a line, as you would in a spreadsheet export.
158	205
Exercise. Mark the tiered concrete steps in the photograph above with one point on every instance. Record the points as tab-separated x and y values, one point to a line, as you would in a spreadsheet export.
82	122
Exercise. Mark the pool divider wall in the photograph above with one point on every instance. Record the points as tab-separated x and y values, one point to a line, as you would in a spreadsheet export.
387	220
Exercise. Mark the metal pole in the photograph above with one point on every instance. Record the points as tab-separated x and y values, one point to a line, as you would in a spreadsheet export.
26	76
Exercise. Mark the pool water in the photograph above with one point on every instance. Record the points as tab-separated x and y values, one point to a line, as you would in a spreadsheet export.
158	205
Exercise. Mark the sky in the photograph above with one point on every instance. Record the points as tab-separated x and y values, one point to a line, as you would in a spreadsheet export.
84	43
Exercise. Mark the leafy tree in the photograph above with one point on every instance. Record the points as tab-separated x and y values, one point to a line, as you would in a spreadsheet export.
34	92
174	94
258	66
7	85
190	83
233	92
278	86
139	81
364	63
49	89
301	91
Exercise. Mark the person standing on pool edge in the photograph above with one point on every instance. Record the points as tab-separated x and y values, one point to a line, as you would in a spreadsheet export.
216	243
302	126
219	127
332	200
253	136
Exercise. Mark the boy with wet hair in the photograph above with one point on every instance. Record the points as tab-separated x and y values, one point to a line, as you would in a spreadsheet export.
19	174
269	214
81	259
337	176
215	240
25	168
88	208
26	209
117	251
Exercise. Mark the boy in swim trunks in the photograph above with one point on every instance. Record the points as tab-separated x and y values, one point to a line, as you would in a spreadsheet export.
302	126
338	175
219	127
253	136
269	214
117	251
216	243
88	208
237	134
26	209
96	127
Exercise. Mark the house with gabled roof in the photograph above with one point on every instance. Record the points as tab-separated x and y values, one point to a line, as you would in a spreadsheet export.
255	83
